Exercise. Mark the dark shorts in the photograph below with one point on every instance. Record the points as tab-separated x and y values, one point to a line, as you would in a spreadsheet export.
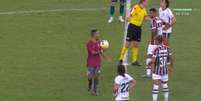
166	35
122	1
133	33
91	71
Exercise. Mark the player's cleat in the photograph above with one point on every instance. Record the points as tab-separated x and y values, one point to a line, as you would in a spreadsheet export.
94	93
120	62
110	20
121	19
146	76
137	63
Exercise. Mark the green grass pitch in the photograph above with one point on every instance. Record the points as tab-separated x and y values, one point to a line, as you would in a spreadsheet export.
42	55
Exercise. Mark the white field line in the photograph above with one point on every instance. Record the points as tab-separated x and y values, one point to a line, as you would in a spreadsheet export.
62	10
51	11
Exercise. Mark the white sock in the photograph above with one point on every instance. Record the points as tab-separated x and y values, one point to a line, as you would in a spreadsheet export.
148	69
165	91
155	92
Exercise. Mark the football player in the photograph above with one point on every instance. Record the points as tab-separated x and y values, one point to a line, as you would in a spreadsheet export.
161	64
123	84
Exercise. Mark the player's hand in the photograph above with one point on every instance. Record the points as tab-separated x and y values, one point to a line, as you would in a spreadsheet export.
170	70
103	49
107	58
167	26
148	18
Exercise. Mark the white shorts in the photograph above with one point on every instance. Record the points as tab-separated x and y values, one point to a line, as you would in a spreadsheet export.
151	49
160	77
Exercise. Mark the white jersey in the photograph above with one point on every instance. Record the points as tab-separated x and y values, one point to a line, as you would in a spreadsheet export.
166	15
123	91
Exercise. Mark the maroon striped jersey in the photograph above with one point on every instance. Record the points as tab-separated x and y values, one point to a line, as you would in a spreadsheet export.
157	24
162	59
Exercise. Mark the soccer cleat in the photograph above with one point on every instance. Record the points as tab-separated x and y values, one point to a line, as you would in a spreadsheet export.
89	84
146	76
137	63
94	93
120	62
110	20
121	19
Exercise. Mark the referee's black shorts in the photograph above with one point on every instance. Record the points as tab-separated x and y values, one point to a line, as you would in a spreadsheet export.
133	33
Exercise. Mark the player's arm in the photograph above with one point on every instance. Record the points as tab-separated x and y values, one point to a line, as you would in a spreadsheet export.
153	61
168	25
170	64
132	11
132	84
173	21
105	56
95	52
153	30
115	89
92	50
147	18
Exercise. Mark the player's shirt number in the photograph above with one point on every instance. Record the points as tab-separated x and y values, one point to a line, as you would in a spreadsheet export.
124	87
163	61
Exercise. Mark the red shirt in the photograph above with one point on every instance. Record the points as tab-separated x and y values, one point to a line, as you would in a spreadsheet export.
93	60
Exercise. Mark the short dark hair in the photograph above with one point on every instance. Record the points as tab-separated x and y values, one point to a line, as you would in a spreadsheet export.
93	31
121	70
167	3
152	10
159	38
141	1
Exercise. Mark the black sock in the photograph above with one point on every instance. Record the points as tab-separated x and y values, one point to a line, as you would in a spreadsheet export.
95	84
89	83
112	10
121	10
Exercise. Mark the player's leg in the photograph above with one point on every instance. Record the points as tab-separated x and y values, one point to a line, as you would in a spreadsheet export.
166	38
123	51
112	10
134	51
96	80
155	90
135	44
148	67
165	87
90	76
128	42
93	71
121	10
156	83
150	50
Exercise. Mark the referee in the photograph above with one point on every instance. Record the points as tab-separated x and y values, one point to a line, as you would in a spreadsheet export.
133	38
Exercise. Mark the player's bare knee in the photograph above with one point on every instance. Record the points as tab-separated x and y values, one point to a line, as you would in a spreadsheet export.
127	45
164	85
135	44
156	82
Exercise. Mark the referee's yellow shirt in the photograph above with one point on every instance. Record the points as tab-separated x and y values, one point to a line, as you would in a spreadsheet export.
137	15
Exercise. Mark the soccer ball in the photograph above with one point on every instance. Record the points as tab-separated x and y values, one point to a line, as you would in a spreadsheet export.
104	44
